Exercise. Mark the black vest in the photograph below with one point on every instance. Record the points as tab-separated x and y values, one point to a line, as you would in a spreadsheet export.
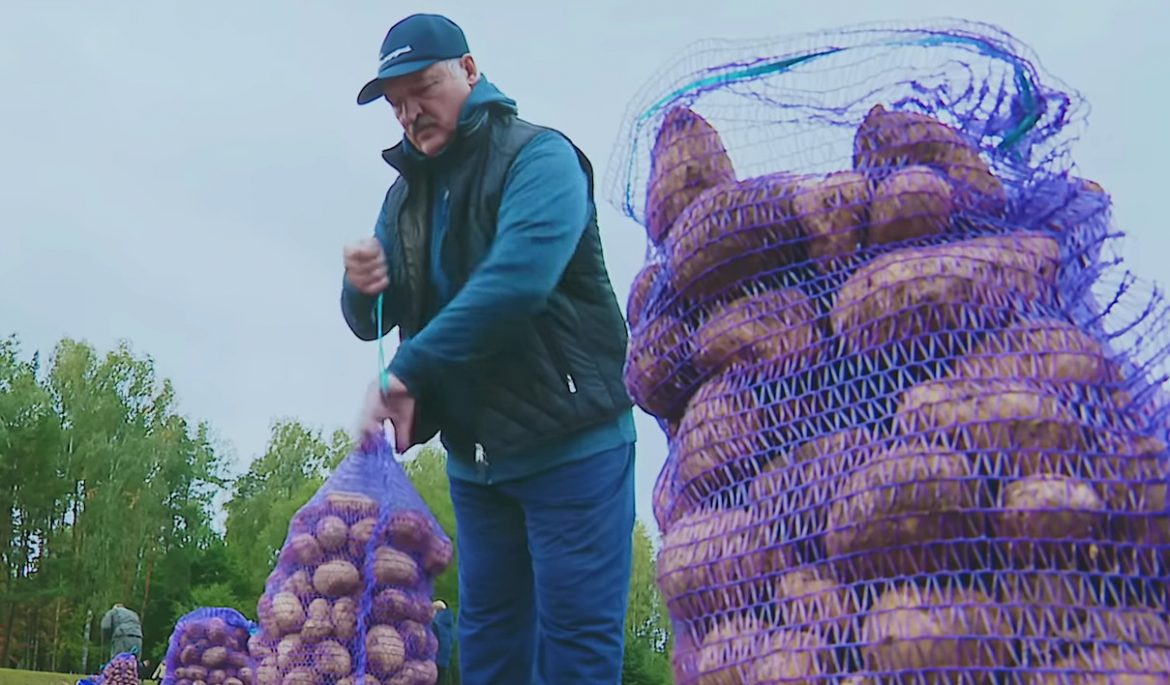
563	371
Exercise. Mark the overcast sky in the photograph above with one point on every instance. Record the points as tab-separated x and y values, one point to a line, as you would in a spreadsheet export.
184	175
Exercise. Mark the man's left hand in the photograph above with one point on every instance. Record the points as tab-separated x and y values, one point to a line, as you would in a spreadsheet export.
396	404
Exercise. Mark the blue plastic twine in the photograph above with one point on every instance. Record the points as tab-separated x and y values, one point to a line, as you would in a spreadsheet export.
383	374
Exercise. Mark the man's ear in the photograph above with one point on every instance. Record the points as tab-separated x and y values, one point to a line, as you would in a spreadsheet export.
470	68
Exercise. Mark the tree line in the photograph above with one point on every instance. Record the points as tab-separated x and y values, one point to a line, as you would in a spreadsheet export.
108	493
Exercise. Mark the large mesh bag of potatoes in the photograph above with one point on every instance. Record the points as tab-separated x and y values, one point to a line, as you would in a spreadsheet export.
210	645
349	601
914	413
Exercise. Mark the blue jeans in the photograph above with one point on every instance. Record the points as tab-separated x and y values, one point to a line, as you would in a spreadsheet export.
544	573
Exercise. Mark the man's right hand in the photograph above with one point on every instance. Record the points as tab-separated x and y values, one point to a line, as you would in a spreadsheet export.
365	266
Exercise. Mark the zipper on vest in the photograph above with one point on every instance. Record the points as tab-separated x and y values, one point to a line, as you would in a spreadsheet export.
558	359
571	383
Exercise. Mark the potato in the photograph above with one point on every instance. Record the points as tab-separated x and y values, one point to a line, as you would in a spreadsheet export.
721	437
392	567
833	213
912	633
359	536
318	625
668	500
351	506
687	158
393	605
408	530
910	509
655	372
1133	481
714	560
775	326
1040	515
792	657
1111	665
302	549
812	602
733	234
438	555
344	618
890	139
1046	606
417	638
332	658
332	533
287	612
927	300
336	578
1013	428
232	681
416	673
268	672
1131	626
1045	350
216	677
299	584
727	654
911	203
385	651
190	655
258	646
218	631
215	656
291	651
646	285
799	490
684	656
299	676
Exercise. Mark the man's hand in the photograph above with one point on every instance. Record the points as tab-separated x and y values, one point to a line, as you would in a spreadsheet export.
395	404
365	266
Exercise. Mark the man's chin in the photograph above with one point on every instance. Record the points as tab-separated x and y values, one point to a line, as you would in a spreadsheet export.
430	143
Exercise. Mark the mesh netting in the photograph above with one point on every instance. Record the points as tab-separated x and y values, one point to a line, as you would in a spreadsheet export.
351	592
210	645
913	406
120	670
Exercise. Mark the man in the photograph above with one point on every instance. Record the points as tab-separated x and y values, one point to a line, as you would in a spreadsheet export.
441	625
489	260
123	629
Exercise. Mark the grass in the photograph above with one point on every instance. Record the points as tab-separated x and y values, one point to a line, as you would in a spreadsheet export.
10	677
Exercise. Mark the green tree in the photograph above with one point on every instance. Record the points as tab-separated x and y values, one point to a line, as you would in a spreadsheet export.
278	483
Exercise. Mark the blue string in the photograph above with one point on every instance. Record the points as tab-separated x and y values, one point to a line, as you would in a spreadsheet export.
383	374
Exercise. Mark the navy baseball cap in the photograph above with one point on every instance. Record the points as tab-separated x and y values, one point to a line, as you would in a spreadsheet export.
411	45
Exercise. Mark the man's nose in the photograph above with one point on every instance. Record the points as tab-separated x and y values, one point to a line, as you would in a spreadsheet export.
407	113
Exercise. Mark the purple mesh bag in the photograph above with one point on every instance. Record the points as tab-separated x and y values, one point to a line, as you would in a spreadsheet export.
120	670
210	645
914	407
321	622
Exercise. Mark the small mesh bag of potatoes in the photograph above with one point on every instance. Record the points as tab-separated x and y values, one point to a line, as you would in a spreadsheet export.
210	645
350	596
913	404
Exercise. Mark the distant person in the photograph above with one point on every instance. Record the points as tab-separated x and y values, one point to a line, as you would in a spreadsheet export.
123	629
444	629
160	671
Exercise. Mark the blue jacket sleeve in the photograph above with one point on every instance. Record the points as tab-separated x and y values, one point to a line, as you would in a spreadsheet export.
543	212
358	308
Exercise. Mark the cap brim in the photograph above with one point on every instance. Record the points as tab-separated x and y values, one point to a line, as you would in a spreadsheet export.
373	90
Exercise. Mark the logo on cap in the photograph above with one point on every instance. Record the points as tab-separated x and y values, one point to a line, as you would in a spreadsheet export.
396	53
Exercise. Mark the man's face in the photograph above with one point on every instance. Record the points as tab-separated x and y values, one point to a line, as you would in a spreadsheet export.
427	103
